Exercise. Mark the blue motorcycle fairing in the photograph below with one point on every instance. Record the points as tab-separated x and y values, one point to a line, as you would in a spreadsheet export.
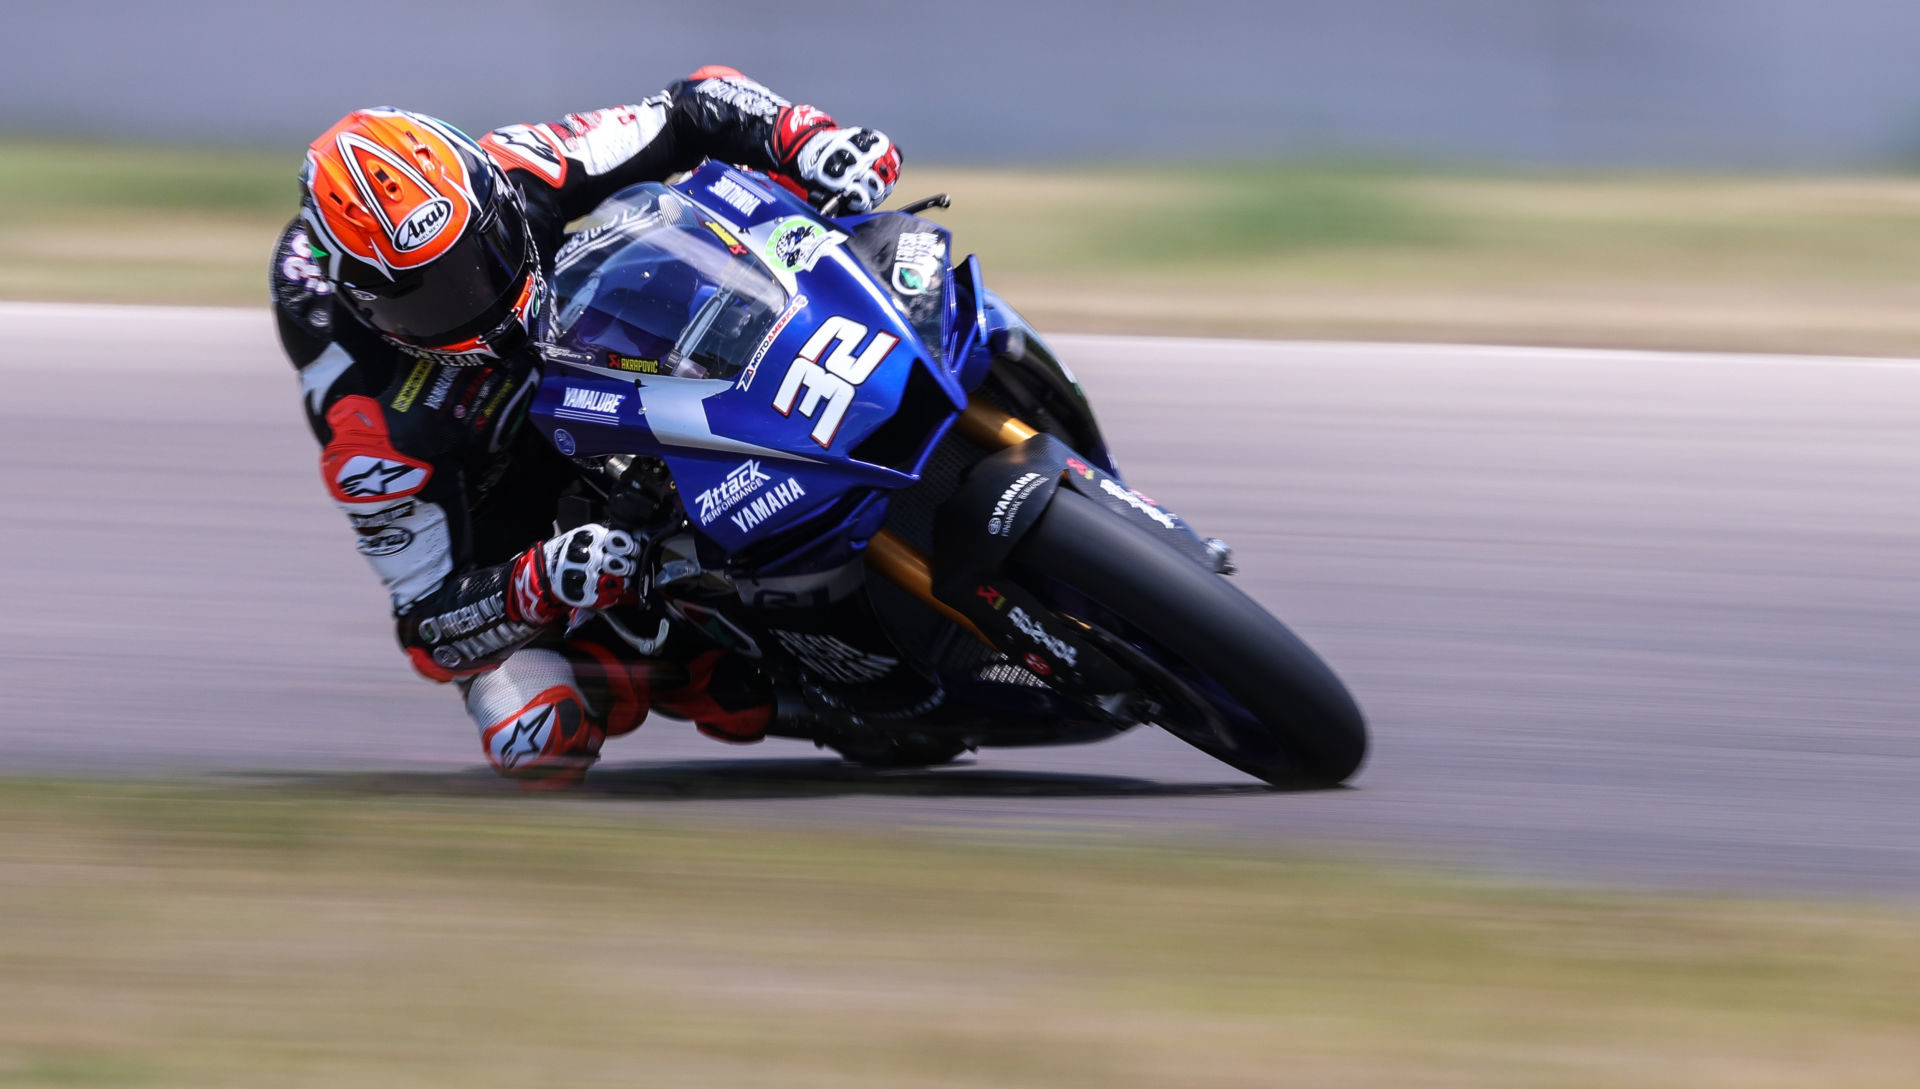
760	413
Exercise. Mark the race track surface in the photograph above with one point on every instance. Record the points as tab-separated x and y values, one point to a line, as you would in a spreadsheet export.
1614	617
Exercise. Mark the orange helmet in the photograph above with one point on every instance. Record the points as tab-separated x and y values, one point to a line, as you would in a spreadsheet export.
424	235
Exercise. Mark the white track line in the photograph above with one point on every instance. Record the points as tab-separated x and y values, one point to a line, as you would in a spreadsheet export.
34	334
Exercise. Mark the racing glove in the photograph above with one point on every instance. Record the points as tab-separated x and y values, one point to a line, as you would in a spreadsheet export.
591	567
861	164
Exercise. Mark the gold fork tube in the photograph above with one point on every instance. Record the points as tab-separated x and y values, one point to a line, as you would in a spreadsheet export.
992	428
899	562
902	564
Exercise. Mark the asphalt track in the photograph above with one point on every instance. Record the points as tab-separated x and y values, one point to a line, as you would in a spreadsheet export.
1618	617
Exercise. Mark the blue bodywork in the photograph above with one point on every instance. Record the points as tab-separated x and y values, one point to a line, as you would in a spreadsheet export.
760	351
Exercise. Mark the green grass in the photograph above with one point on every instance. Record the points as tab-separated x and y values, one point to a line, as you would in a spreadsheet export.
204	936
136	224
1818	264
39	179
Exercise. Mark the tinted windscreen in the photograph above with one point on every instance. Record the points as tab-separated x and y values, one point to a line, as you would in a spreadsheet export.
662	289
910	256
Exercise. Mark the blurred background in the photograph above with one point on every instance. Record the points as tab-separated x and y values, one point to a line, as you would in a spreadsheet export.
1633	629
1661	173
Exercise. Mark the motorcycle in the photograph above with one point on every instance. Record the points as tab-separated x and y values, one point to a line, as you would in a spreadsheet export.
867	473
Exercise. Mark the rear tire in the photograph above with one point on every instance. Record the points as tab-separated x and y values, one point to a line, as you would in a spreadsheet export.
1287	719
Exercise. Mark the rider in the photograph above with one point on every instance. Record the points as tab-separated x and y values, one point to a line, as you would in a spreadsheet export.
411	293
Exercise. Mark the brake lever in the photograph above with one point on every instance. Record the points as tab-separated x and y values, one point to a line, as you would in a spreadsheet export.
938	200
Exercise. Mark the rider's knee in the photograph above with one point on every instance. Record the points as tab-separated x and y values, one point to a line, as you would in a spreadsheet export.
534	720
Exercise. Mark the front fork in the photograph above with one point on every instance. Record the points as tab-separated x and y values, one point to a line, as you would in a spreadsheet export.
980	525
906	566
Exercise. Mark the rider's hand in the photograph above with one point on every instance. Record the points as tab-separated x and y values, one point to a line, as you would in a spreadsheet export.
861	164
591	567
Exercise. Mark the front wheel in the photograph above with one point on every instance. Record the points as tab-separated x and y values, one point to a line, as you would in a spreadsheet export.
1218	670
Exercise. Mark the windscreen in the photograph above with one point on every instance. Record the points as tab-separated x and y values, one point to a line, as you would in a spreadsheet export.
658	287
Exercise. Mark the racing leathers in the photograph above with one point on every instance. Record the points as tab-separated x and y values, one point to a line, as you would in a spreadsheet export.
452	499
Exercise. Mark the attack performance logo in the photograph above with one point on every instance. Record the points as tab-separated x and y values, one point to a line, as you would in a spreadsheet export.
745	479
829	379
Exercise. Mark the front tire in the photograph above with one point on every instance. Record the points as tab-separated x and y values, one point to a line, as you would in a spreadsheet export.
1279	713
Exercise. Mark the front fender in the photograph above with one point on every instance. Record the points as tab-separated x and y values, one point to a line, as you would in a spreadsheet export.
1004	494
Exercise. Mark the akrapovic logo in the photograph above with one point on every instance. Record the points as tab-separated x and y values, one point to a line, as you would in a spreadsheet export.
1031	628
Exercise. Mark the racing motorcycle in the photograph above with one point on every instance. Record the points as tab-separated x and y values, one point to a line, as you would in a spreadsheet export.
868	474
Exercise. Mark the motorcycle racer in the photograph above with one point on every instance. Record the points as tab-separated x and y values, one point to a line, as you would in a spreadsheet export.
411	296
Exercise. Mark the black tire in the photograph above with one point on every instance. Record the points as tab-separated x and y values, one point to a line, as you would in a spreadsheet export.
1294	723
895	754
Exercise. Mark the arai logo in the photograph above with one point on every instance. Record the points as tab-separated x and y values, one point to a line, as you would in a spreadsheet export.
423	224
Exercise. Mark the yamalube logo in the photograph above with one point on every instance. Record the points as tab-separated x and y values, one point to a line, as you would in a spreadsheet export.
423	224
589	405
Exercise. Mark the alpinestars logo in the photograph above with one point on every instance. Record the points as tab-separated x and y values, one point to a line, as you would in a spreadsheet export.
830	378
531	147
744	480
1032	629
528	738
771	502
365	477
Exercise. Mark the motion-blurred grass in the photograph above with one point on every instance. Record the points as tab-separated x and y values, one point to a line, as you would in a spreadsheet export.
203	936
137	224
1771	263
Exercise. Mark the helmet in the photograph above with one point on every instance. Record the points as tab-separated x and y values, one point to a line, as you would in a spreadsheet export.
424	235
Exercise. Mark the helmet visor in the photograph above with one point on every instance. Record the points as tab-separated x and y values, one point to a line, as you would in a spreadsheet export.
467	291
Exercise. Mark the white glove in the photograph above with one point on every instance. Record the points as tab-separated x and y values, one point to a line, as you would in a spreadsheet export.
862	164
591	567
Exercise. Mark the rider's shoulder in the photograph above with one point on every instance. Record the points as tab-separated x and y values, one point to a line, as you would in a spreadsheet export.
299	288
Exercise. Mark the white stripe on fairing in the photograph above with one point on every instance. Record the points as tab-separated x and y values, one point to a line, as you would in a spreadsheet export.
676	413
